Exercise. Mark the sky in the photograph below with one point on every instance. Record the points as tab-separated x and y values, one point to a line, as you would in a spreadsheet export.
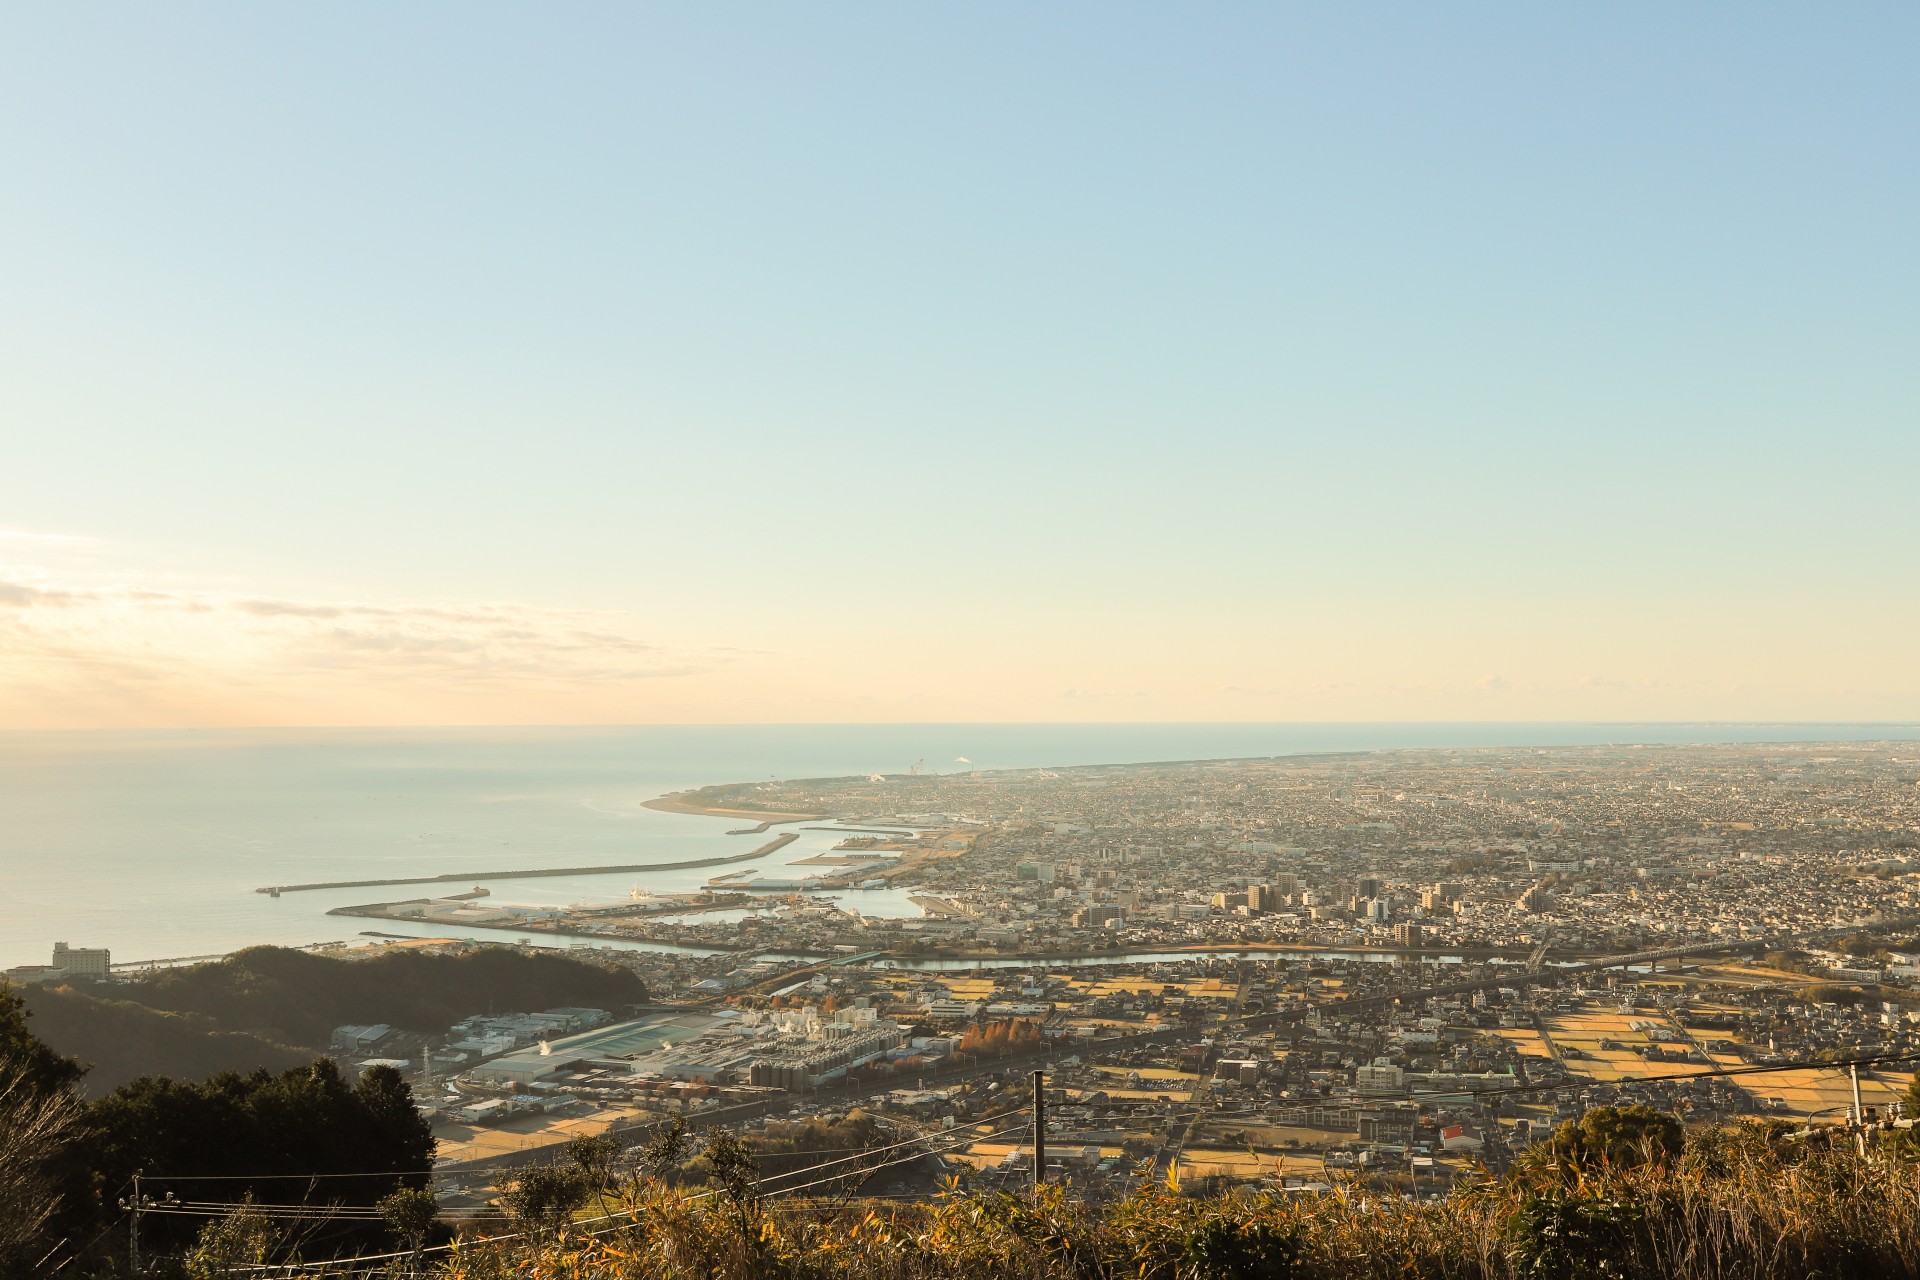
485	364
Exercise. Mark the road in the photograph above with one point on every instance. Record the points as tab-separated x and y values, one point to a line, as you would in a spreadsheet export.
1178	1133
1182	1128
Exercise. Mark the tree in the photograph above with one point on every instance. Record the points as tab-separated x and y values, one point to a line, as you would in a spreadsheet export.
241	1240
1911	1100
36	1126
594	1158
41	1067
994	1039
732	1170
410	1214
298	998
544	1198
1616	1137
401	1140
40	1119
248	1134
665	1149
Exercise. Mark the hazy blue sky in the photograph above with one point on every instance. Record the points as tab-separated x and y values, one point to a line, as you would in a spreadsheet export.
479	362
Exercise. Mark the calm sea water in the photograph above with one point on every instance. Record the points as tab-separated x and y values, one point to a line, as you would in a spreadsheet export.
152	843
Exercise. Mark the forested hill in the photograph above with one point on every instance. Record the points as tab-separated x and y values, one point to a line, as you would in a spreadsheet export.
121	1041
271	1007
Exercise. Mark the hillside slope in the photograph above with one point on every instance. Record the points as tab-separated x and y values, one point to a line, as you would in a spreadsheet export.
274	1008
121	1041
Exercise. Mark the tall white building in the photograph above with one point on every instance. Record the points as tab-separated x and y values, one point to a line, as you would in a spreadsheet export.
1379	1077
82	962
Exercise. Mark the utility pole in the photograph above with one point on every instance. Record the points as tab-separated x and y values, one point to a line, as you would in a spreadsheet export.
1859	1114
1039	1129
134	1205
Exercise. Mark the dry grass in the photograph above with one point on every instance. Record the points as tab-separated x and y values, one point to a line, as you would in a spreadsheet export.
1733	1207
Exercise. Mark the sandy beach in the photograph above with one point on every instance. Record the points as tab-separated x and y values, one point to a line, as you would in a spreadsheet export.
674	804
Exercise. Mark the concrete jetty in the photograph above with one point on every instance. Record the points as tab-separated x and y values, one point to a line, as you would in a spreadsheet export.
778	842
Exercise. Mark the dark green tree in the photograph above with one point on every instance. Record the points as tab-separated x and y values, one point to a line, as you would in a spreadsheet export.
1616	1137
544	1197
298	998
265	1135
41	1068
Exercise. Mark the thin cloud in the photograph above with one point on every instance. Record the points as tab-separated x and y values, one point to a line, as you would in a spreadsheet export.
36	538
288	609
22	596
150	652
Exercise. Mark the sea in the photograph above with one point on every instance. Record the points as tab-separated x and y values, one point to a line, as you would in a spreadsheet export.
152	843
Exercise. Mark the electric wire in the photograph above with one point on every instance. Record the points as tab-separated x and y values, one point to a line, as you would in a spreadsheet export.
971	1139
961	1141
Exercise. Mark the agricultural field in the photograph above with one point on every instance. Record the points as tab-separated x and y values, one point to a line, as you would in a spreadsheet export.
1802	1092
1527	1042
1592	1032
476	1142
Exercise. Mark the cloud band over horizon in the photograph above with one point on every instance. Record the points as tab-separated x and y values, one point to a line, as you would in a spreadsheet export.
86	643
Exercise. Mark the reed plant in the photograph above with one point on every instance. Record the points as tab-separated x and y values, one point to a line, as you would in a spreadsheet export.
1731	1203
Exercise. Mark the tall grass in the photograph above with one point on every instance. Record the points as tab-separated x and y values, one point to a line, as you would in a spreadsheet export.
1732	1204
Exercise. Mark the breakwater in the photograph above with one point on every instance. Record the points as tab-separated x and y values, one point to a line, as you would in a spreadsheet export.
778	842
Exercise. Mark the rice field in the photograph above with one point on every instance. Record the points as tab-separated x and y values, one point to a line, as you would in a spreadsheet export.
1804	1092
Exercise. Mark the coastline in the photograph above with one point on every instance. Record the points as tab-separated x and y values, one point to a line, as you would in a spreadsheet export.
672	803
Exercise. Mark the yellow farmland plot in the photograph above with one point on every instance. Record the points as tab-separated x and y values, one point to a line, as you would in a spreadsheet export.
1126	987
1527	1041
1204	1162
1589	1032
1149	1073
1808	1091
473	1142
984	1155
1803	1091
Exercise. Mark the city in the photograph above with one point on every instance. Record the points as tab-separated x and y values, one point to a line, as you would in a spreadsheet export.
911	642
1400	966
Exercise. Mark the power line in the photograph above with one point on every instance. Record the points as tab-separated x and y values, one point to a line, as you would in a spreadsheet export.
1563	1086
1882	1059
369	1213
964	1141
314	1214
271	1177
862	1155
430	1173
858	1153
84	1249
